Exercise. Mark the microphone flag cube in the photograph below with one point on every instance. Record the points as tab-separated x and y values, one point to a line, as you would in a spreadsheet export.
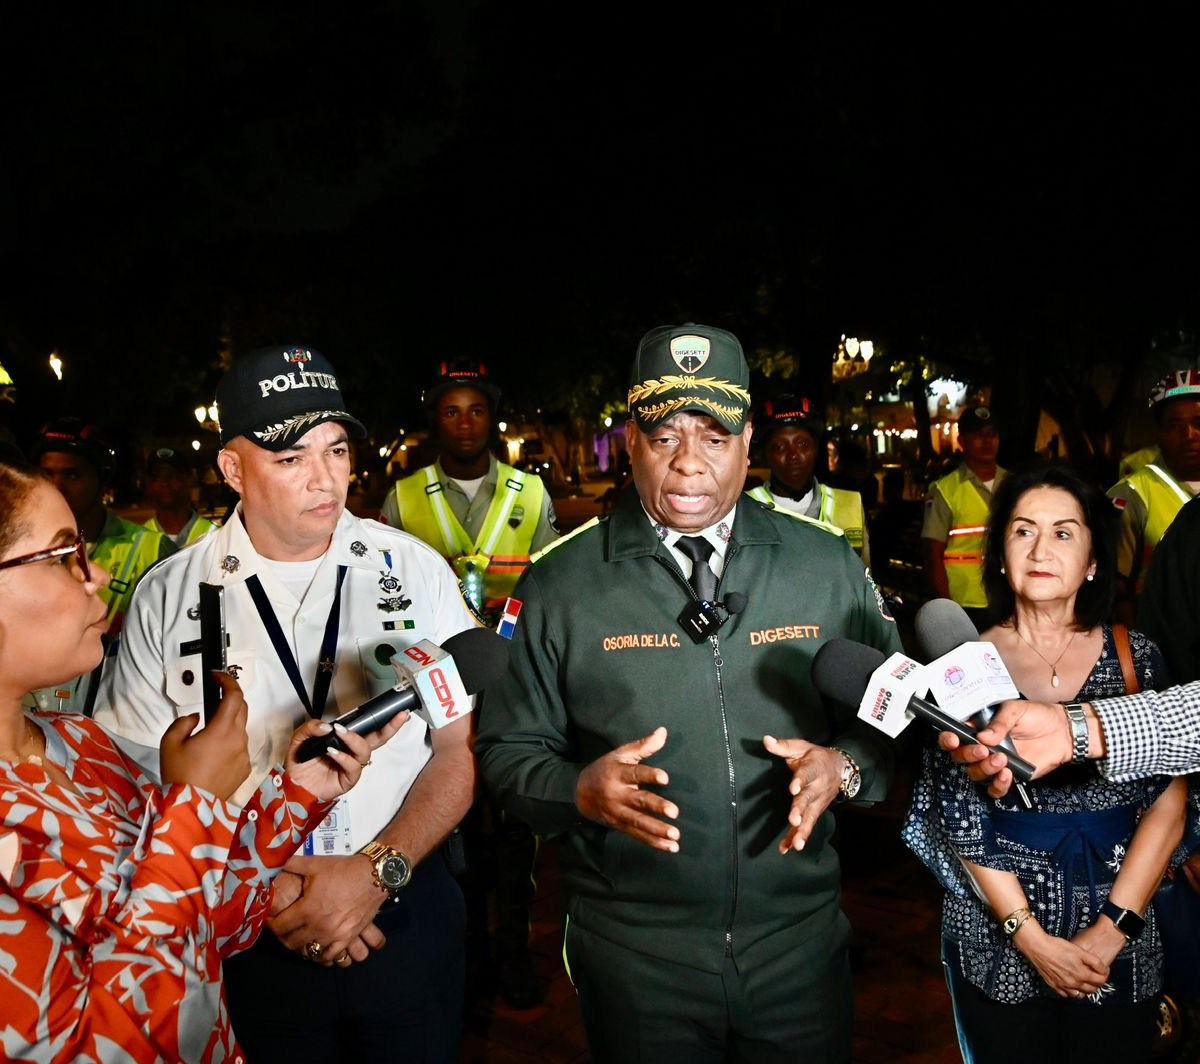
885	701
432	672
969	678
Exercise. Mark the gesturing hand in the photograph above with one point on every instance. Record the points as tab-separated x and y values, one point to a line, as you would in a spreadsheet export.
609	791
217	757
816	779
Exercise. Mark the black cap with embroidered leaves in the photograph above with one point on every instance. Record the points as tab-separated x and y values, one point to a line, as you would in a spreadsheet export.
699	369
274	395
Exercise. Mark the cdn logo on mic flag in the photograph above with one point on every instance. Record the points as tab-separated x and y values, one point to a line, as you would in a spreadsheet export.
434	675
886	698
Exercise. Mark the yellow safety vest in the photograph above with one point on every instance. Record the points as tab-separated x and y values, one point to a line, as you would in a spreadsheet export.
202	527
969	512
500	553
840	508
1164	497
125	557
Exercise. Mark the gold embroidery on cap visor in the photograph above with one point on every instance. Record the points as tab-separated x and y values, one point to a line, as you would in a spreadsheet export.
731	412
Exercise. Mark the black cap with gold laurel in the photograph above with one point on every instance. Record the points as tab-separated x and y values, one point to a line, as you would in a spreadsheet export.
695	368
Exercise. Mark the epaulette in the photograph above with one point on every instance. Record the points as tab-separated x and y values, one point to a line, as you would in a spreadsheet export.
563	539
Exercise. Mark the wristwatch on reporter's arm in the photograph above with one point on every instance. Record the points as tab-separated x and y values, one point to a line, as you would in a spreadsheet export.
851	781
1077	720
390	869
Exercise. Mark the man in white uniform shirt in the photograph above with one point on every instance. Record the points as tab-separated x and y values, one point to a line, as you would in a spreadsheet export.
365	961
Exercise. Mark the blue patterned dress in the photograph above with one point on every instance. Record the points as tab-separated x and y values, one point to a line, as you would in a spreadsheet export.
1066	853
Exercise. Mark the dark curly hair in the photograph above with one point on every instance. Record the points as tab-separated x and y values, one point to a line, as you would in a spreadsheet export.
1094	600
17	480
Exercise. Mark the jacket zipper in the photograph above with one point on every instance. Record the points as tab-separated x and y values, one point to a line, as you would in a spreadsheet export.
718	663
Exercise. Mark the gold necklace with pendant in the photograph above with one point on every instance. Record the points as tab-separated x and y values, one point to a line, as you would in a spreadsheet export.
1053	664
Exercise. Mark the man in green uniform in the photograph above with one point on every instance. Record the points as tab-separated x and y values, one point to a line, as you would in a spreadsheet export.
1149	497
486	518
956	516
80	462
792	439
658	715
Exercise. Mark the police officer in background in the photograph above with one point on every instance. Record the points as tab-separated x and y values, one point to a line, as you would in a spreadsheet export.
485	518
956	516
678	746
170	477
365	959
1149	497
80	462
793	442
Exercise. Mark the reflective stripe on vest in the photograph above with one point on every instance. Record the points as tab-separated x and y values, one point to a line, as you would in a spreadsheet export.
502	551
124	560
1164	497
837	509
963	557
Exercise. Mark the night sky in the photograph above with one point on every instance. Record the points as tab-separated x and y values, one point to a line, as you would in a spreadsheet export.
536	184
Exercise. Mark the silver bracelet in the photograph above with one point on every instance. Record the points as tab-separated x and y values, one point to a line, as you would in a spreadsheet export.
1079	731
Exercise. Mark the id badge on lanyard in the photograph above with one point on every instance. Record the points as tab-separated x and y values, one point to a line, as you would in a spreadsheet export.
331	838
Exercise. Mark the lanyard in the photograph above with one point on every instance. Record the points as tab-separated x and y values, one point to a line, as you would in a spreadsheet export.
283	649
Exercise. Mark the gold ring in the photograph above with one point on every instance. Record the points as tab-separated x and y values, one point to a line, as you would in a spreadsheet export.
367	762
343	959
314	950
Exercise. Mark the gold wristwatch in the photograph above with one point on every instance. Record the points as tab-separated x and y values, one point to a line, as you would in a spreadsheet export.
390	869
851	781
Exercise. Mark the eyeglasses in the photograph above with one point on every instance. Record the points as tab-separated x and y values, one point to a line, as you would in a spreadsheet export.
78	548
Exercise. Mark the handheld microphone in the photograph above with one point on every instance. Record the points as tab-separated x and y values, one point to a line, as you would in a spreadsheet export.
889	693
942	628
434	682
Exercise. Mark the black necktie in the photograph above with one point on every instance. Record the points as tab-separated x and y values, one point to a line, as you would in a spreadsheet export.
704	580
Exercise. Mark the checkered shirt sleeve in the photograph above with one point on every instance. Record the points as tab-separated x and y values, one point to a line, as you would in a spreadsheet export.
1154	733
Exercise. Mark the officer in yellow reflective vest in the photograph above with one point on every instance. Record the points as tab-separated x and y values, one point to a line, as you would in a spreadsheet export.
80	463
1149	497
170	477
793	435
956	516
487	519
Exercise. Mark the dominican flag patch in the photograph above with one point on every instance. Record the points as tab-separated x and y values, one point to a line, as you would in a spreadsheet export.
508	619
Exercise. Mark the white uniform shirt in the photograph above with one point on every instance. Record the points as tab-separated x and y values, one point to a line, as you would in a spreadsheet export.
397	591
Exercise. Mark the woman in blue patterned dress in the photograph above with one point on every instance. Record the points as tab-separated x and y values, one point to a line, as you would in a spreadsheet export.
1048	936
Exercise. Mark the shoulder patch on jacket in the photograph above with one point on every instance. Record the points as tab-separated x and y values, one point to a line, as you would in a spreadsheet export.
563	539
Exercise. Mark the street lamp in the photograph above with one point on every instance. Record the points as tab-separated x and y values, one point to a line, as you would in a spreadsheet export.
56	364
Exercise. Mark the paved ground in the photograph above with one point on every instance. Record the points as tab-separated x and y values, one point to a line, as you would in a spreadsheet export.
903	1012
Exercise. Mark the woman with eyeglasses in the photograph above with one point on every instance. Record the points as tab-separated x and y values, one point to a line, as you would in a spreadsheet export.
119	893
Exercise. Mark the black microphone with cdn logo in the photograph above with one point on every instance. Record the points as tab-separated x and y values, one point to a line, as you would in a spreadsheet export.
434	682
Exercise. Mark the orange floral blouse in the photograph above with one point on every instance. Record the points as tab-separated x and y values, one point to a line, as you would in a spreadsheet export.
118	901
